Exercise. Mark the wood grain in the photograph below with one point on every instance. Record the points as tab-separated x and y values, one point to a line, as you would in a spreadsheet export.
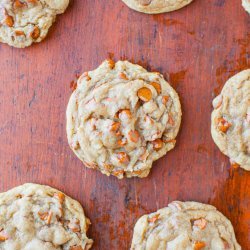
197	48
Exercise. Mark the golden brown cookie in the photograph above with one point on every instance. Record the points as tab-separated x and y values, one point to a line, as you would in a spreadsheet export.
184	226
23	22
36	217
231	119
156	6
121	118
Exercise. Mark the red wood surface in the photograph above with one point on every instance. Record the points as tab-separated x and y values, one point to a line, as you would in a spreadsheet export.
197	48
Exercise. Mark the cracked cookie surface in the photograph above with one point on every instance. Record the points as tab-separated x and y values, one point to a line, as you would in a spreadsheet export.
246	5
184	226
156	6
39	217
23	22
121	118
231	119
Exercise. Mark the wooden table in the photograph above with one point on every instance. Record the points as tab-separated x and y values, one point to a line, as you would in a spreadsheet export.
197	48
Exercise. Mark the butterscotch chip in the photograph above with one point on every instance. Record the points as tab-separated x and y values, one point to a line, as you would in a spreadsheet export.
230	124
3	236
19	33
60	196
19	4
118	173
122	157
156	6
76	248
165	99
115	126
133	136
173	227
223	125
122	142
123	76
43	215
157	86
35	33
108	167
111	63
154	218
144	94
9	21
36	217
23	22
198	245
157	144
116	121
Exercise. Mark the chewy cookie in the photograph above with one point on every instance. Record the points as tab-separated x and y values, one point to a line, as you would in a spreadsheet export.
35	217
231	119
23	22
184	226
156	6
121	118
246	5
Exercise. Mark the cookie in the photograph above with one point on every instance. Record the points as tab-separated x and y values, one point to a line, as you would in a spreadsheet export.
121	118
184	226
246	5
42	218
156	6
23	22
231	119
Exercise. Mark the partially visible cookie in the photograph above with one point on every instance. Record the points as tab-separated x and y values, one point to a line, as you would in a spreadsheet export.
246	5
36	217
156	6
23	22
184	226
231	119
121	118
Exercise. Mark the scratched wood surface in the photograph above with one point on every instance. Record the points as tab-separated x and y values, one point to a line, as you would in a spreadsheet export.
197	48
